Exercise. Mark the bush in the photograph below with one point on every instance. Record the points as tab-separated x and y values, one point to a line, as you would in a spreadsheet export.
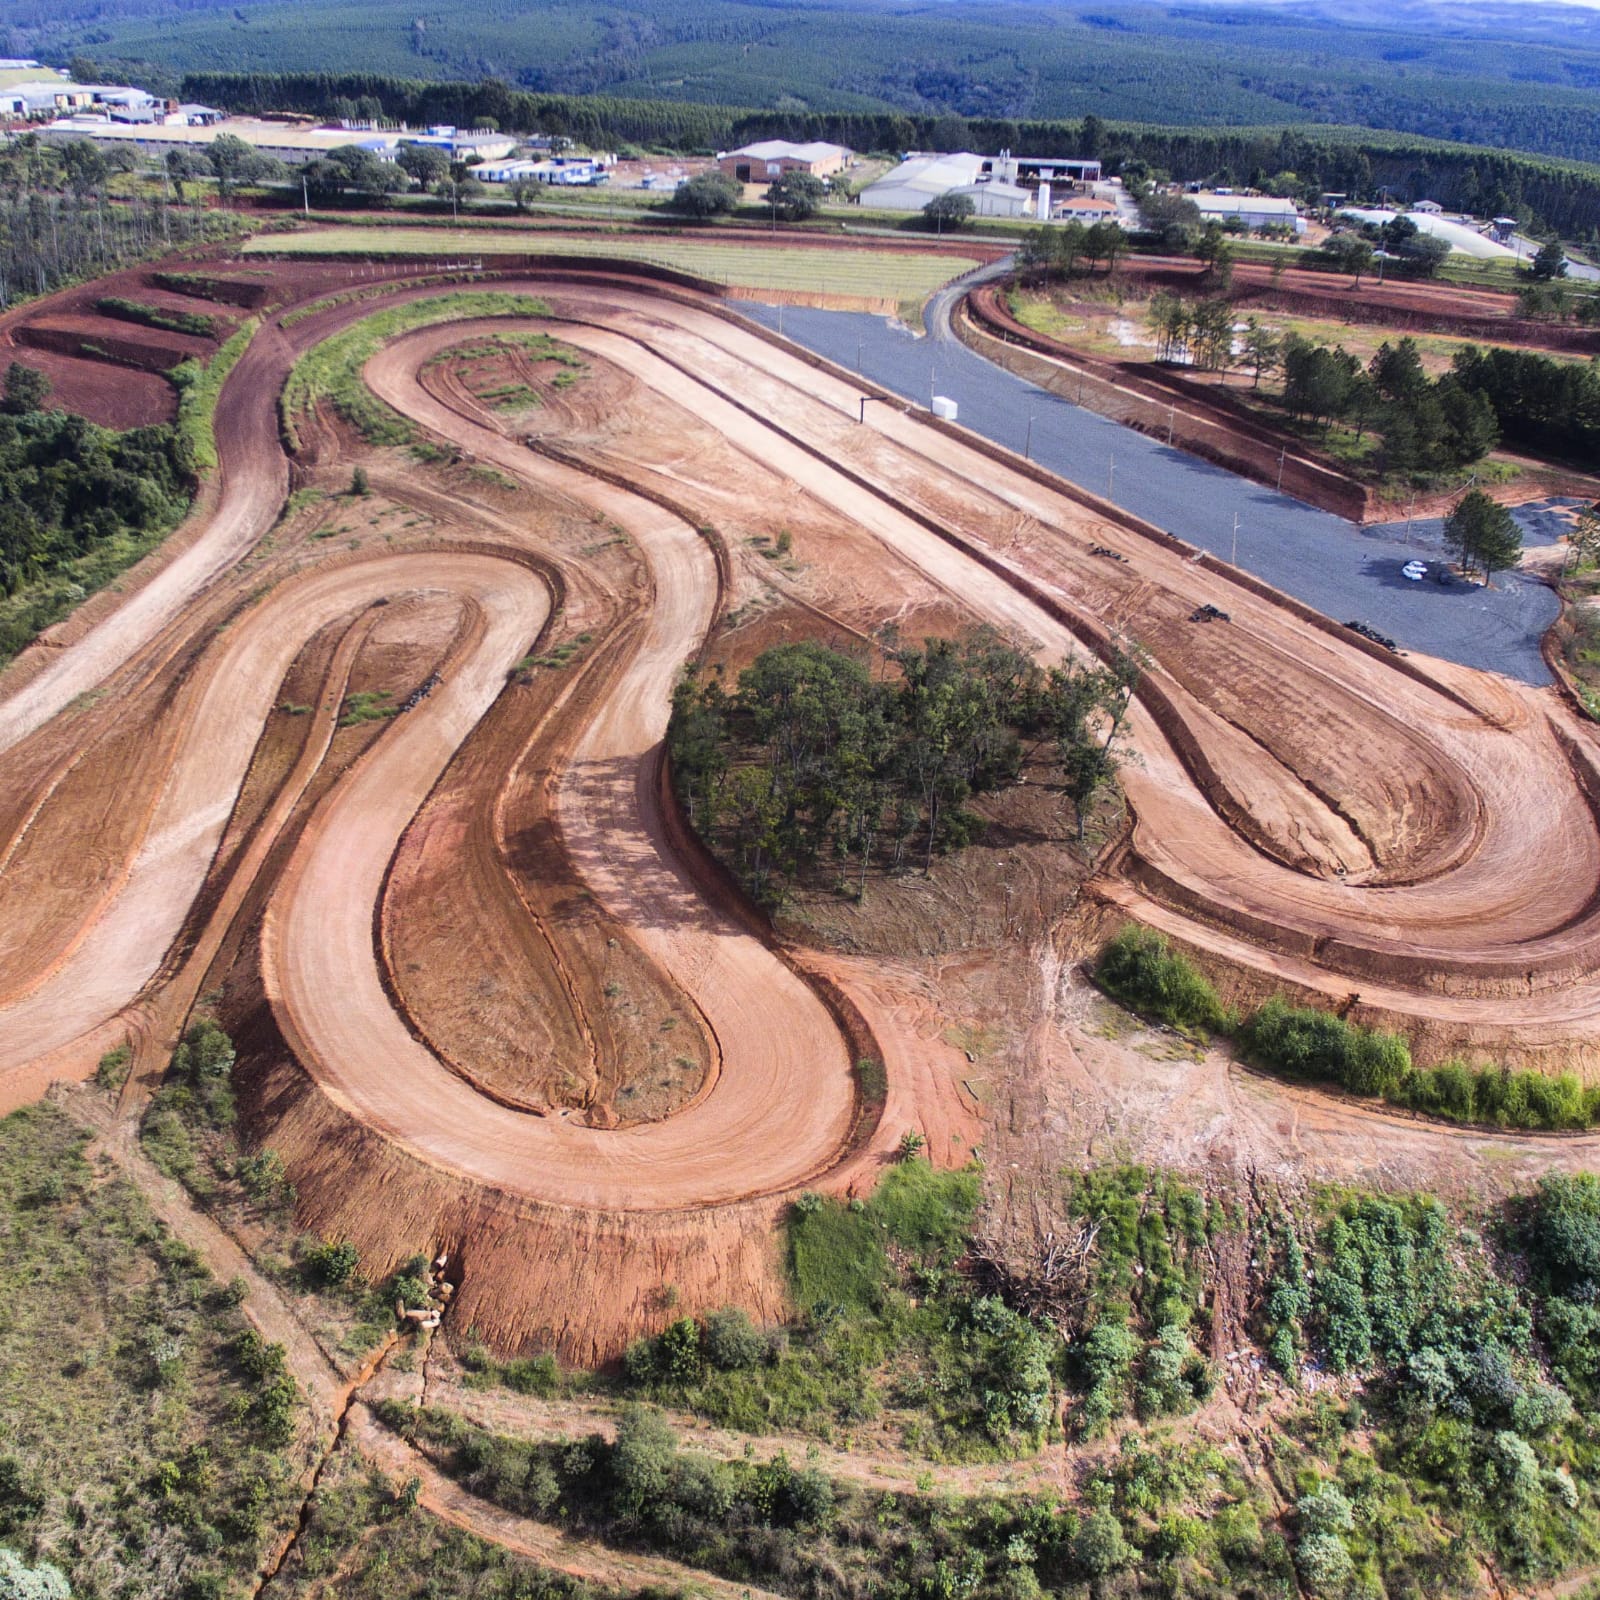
1099	1547
1323	1563
732	1341
1306	1043
707	195
330	1264
1141	969
642	1459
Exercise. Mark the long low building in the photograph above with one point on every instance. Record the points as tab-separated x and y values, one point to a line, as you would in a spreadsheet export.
1251	210
290	142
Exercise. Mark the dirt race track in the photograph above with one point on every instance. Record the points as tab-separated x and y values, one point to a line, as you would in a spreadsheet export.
487	995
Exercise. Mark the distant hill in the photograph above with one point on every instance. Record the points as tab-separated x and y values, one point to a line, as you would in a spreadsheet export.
1511	75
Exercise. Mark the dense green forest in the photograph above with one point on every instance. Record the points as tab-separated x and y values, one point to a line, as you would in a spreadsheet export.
76	503
1563	195
1436	76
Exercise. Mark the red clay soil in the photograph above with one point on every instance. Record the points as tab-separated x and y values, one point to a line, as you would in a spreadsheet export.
113	340
131	399
1412	842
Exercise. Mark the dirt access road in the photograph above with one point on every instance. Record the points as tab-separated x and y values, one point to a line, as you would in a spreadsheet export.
1415	843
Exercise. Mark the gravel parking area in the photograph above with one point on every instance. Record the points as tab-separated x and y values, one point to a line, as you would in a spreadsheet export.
1347	572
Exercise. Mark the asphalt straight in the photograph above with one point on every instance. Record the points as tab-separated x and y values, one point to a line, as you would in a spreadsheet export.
1349	573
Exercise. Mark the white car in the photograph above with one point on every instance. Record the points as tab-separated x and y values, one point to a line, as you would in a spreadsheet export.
1416	571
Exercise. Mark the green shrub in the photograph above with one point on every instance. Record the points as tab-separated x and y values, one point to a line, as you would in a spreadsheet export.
1144	972
926	1211
331	1264
836	1257
1317	1045
732	1342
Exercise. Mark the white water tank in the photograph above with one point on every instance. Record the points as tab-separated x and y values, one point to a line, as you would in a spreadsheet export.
944	406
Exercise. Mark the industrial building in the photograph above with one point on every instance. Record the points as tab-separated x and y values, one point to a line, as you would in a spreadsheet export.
992	197
921	178
772	158
1250	210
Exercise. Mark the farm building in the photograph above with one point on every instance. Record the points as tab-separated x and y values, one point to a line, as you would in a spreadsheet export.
921	178
772	158
1253	210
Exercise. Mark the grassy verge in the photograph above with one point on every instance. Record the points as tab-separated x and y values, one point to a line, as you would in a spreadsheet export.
198	389
867	274
189	1134
331	371
1140	969
147	1446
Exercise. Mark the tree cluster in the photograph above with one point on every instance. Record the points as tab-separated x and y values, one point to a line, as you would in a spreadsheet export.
59	220
66	484
1549	407
1414	254
1483	534
1428	425
1054	250
814	759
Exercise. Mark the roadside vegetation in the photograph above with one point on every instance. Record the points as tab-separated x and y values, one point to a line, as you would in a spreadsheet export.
331	371
79	504
822	765
1140	968
148	1437
887	1331
190	322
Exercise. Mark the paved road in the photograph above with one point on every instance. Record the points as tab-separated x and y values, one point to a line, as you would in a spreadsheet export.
1347	572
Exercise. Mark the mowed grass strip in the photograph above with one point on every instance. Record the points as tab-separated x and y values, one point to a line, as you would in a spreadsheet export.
872	274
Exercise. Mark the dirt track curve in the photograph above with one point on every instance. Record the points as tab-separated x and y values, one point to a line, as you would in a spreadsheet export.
1414	842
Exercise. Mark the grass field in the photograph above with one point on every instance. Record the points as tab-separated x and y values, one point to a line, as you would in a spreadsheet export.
869	274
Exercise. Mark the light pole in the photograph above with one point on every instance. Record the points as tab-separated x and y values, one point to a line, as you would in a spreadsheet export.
1281	454
1111	478
1171	416
1027	443
859	345
1233	560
